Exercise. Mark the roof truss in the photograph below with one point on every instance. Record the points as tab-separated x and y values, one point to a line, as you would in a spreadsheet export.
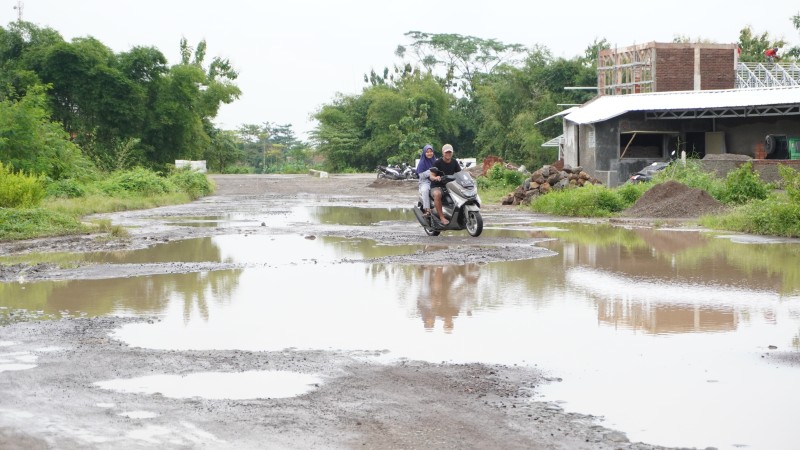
715	113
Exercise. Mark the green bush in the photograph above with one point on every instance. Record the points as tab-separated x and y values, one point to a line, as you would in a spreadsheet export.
791	182
498	175
691	174
742	185
586	201
137	181
766	217
194	183
629	193
18	190
66	188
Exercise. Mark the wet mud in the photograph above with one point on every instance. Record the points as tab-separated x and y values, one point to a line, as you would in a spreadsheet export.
362	403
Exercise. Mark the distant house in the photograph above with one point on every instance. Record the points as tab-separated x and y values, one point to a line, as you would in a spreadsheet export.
661	98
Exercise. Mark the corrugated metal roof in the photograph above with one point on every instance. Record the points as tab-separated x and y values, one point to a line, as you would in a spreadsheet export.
555	142
562	113
610	106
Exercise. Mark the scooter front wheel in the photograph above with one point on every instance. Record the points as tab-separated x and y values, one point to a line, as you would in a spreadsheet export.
474	223
431	232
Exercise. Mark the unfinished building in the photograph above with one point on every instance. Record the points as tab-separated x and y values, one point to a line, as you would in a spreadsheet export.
655	99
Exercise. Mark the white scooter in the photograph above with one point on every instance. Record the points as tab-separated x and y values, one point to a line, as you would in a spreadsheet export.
461	205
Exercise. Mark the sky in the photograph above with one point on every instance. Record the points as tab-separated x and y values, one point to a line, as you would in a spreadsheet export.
294	56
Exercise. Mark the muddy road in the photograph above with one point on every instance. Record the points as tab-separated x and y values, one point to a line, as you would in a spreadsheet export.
50	369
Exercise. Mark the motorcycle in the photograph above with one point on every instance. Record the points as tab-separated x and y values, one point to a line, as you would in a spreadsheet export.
390	173
461	205
409	172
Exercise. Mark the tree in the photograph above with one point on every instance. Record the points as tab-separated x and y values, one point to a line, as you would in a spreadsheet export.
460	58
752	46
184	101
21	46
223	151
794	52
32	143
512	103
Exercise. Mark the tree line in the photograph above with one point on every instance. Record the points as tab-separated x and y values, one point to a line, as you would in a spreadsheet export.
69	107
483	96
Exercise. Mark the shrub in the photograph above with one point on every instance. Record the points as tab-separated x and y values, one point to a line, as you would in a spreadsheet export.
743	185
791	182
66	188
630	192
691	174
18	190
138	181
498	175
586	201
194	183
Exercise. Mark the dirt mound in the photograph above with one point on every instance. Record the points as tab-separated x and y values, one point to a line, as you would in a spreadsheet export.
673	200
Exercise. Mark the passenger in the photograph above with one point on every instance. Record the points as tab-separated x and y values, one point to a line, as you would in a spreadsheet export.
426	161
445	166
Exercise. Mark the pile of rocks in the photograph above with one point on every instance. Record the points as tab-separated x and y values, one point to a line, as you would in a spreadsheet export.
546	179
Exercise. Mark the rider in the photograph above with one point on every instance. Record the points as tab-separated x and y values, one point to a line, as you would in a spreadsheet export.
426	161
446	166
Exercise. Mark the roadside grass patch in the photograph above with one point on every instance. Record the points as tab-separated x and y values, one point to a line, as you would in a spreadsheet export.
27	223
773	216
586	201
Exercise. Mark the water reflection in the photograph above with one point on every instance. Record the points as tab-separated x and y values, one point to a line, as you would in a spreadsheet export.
137	295
656	330
681	256
346	215
444	291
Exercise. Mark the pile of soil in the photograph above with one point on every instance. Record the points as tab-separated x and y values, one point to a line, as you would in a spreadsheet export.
673	200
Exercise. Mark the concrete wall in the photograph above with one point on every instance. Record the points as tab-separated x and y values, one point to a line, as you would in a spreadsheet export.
571	133
742	135
197	166
767	169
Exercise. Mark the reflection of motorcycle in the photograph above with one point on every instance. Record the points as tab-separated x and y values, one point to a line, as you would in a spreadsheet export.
390	173
460	204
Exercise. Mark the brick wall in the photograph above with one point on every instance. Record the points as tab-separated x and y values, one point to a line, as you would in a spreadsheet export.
675	69
717	69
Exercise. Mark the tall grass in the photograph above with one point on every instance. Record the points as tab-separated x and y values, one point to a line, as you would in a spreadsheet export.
586	201
69	200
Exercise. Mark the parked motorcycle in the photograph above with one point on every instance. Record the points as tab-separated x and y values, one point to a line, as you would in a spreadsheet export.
390	173
461	205
409	172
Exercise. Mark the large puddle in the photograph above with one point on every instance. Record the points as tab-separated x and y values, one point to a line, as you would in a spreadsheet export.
668	335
